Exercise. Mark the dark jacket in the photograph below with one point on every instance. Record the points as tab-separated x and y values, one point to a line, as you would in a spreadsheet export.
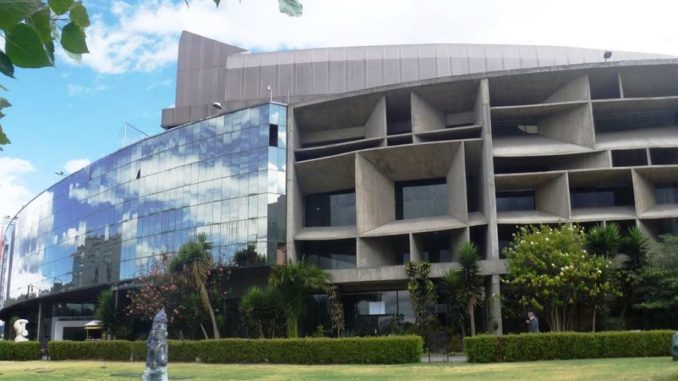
533	325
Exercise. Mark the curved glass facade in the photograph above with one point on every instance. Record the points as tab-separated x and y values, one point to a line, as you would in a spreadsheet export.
223	176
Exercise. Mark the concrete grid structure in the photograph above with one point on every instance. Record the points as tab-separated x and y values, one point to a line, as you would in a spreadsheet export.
403	153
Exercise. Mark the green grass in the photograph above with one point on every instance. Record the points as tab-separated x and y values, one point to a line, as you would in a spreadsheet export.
653	368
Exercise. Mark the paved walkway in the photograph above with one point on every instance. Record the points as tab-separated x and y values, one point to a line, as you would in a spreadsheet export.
437	357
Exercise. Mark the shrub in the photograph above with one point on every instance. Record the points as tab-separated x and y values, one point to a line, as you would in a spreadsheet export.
372	350
23	351
568	345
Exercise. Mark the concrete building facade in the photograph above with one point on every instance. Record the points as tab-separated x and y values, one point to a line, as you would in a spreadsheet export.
403	153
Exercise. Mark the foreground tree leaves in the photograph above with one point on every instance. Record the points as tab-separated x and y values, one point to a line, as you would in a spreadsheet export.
13	11
73	39
24	47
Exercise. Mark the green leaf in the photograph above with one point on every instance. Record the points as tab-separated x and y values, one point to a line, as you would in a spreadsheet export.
291	7
3	88
216	2
73	39
2	114
4	103
13	11
6	66
60	6
3	138
79	15
41	22
24	48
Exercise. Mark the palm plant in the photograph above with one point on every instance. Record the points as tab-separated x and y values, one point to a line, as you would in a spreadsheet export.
295	281
451	289
470	280
260	308
193	264
604	240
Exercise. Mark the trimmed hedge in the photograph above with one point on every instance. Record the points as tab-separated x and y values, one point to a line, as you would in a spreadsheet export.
371	350
568	345
22	351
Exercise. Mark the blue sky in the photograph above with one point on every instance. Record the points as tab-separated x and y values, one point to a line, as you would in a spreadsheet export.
75	113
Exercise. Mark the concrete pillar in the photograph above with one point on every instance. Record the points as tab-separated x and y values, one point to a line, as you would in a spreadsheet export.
493	294
487	201
415	249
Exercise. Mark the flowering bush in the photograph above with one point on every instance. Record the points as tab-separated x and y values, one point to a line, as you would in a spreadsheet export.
552	271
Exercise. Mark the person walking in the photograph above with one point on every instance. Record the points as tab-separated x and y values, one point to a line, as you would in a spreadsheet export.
532	322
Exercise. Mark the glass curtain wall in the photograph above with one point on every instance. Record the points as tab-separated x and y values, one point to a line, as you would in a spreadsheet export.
224	176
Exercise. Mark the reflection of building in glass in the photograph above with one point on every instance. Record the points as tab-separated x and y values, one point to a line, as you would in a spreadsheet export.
383	155
223	176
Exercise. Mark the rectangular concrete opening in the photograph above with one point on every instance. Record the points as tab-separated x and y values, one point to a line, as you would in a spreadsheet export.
329	255
664	156
605	84
629	157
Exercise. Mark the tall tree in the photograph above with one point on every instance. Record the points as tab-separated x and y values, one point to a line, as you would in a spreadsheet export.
295	281
471	281
192	265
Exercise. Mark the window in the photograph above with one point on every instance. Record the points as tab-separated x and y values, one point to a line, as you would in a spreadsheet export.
515	200
423	198
331	209
667	193
330	255
601	197
273	135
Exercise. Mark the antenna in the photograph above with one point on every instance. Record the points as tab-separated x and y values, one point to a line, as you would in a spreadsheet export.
128	124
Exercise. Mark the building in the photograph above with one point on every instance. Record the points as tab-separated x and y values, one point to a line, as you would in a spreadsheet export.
359	160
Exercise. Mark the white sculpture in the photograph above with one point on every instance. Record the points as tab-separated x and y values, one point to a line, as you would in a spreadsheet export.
20	329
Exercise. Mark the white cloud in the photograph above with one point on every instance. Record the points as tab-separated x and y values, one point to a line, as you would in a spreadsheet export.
144	37
13	192
76	165
75	89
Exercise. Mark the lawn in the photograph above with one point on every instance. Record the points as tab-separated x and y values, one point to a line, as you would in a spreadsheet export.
656	368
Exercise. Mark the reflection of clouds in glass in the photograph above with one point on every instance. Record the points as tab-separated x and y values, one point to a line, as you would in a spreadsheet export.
217	177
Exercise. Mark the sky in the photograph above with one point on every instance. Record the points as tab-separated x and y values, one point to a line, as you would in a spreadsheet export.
65	117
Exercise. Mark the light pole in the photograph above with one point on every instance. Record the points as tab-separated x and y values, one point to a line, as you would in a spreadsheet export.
9	222
3	239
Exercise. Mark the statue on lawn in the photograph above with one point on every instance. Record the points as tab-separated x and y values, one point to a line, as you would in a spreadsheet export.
20	329
674	346
156	360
